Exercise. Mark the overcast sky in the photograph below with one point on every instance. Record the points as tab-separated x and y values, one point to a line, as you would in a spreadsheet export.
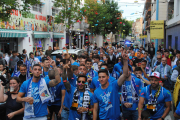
131	10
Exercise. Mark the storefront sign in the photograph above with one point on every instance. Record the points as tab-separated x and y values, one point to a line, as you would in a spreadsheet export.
33	22
157	29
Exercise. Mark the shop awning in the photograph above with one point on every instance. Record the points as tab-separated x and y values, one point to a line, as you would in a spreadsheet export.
41	34
58	35
13	33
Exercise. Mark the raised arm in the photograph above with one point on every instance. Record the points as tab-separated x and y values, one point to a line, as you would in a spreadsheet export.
22	99
123	77
95	111
140	107
3	97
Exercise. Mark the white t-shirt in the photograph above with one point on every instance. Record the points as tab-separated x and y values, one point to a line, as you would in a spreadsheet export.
33	61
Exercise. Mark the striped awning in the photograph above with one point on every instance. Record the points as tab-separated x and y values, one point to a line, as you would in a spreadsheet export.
58	35
41	34
13	33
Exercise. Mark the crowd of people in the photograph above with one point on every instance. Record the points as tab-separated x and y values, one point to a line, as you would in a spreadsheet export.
103	83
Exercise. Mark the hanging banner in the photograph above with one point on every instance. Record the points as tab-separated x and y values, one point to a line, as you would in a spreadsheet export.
157	29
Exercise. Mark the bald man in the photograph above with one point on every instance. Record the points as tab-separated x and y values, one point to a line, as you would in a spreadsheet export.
165	72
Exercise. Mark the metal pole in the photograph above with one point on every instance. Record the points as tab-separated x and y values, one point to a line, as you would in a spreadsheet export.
157	18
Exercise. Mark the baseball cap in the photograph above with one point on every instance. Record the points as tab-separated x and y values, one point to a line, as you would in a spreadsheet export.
155	74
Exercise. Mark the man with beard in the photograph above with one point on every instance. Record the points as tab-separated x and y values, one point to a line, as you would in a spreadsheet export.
91	73
45	66
157	98
35	93
22	73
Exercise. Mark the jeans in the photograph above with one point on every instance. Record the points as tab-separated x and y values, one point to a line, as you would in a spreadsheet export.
54	108
130	114
38	118
64	115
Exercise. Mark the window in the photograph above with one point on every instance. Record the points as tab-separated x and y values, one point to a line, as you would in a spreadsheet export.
54	12
37	7
177	8
169	40
176	42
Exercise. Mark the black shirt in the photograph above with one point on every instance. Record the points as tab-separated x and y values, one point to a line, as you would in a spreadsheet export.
136	60
22	78
11	106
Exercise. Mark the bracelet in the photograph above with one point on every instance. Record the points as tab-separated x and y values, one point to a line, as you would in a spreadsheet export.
64	81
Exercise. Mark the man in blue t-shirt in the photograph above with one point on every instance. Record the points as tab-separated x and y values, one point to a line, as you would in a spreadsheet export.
177	112
80	99
107	97
95	81
35	91
73	58
45	66
58	94
130	96
90	73
157	99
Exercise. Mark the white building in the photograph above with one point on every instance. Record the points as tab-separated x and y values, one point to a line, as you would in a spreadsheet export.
37	30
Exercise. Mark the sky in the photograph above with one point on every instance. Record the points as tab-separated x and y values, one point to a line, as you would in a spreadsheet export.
131	10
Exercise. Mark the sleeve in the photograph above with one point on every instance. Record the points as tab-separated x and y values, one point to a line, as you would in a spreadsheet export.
95	98
91	99
174	75
178	109
142	94
157	69
47	80
93	86
23	88
167	96
115	84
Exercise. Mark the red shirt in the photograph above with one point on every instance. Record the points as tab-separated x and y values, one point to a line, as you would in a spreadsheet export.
169	61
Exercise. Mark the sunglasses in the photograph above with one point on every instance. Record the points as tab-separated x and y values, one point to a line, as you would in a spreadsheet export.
81	82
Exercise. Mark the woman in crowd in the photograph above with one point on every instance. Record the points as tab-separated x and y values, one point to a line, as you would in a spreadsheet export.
14	110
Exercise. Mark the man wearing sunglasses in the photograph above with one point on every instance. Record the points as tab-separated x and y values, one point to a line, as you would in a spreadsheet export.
80	99
106	97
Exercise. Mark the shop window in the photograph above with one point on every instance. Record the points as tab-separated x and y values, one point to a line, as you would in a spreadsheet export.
37	7
169	40
38	43
176	42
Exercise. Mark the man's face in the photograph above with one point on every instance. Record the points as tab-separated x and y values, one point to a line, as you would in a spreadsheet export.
143	65
36	71
154	82
96	60
1	67
164	61
138	54
169	47
103	78
145	55
60	71
138	73
14	54
115	53
178	56
88	65
32	56
166	54
82	70
81	83
83	61
49	48
101	55
46	64
132	53
23	70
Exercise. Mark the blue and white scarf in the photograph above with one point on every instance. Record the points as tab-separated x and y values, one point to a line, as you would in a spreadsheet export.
15	71
134	91
52	91
44	94
163	70
27	76
91	73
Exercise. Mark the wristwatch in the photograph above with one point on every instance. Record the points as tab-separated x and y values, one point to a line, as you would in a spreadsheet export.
162	118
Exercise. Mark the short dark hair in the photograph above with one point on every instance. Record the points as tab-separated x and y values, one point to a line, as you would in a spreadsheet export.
166	50
74	56
23	56
74	67
103	71
96	57
14	51
23	50
158	51
145	114
1	63
51	74
44	58
15	78
82	56
177	52
138	69
19	62
23	65
144	61
104	64
84	76
31	53
9	53
59	56
64	61
36	65
88	60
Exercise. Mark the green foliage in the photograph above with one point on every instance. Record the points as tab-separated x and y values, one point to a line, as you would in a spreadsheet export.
6	7
70	12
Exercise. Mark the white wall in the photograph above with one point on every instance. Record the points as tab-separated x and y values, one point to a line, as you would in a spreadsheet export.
176	16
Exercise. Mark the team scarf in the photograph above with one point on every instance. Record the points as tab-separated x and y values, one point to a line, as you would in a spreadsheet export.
134	91
114	74
163	71
28	76
91	73
153	98
52	91
15	71
86	101
44	94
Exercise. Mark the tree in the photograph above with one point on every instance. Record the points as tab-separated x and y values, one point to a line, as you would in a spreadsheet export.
69	14
6	7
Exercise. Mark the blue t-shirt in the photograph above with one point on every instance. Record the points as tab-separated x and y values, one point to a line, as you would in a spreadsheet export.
129	92
73	80
118	67
116	76
94	72
75	63
39	57
72	113
178	109
165	96
39	108
57	97
95	83
108	101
